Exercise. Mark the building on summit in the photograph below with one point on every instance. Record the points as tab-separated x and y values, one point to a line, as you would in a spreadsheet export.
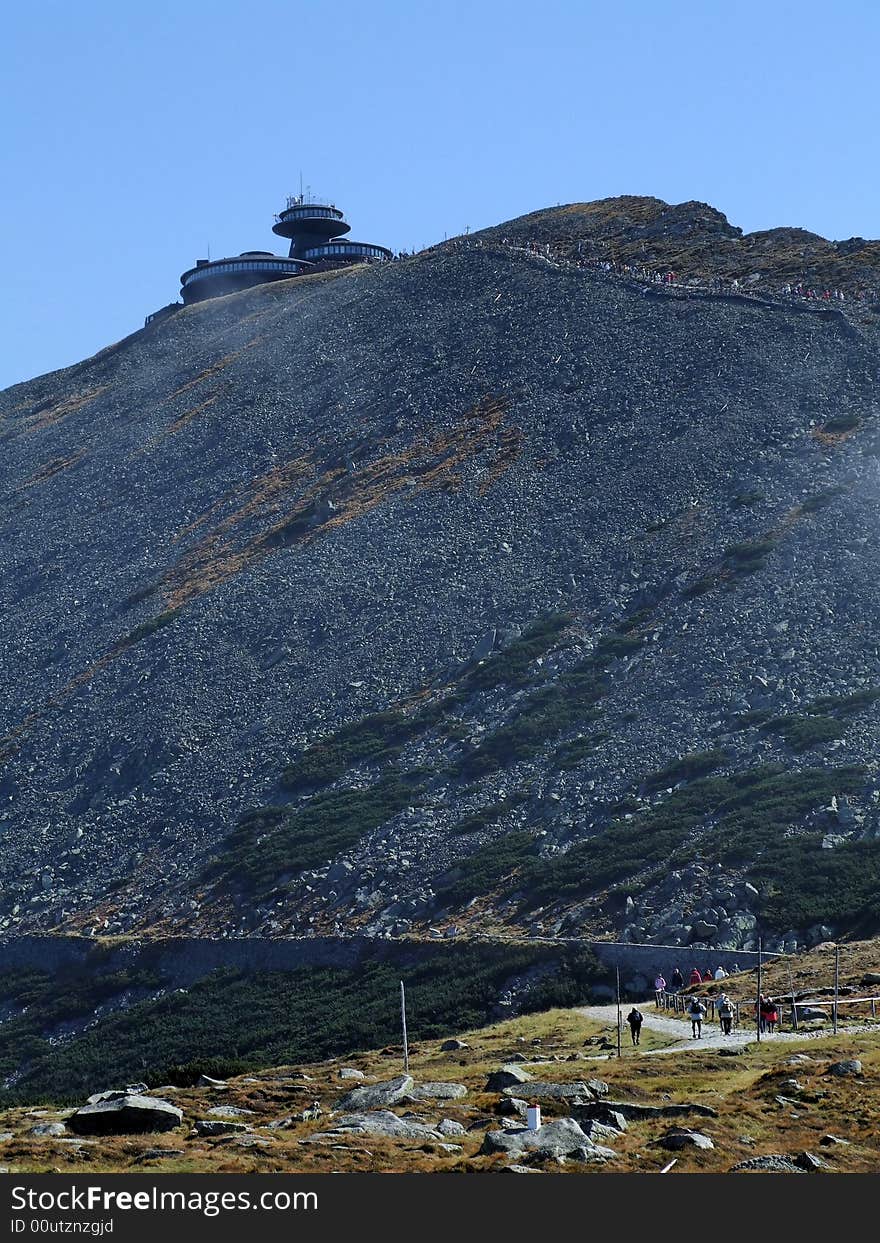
315	230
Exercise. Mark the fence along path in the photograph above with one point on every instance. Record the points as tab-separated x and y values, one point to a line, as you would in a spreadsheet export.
744	1011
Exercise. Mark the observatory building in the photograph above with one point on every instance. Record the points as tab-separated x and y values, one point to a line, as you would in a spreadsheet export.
315	230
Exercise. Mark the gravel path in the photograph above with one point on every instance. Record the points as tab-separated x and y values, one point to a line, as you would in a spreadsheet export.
712	1037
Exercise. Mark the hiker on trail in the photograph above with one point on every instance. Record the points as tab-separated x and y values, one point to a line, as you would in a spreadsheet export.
696	978
735	969
720	973
659	983
634	1018
696	1010
677	982
769	1015
725	1013
707	976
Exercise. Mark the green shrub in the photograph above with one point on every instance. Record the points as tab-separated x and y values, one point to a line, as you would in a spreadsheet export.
743	500
545	715
232	1021
482	871
378	738
510	666
748	810
145	629
756	814
820	500
564	705
489	815
635	621
573	754
272	844
803	884
843	423
844	705
749	557
802	732
686	768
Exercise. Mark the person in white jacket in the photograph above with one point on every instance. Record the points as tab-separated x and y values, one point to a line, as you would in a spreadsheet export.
720	973
724	1008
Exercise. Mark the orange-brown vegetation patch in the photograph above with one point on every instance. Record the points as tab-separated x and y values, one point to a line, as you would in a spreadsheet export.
181	421
50	468
296	502
832	439
510	445
48	413
208	372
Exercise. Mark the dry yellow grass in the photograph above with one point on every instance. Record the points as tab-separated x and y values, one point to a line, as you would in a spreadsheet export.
743	1089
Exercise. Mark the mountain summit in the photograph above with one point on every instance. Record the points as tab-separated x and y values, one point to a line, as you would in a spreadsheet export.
527	583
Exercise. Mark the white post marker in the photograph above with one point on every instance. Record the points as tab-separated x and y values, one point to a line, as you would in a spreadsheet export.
533	1117
403	1022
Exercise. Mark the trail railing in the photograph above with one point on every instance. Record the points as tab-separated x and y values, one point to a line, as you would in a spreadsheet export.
678	1003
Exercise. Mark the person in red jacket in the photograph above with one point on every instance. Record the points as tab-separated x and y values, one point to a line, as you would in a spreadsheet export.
696	978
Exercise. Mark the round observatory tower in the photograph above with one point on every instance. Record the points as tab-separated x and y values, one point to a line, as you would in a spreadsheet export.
316	235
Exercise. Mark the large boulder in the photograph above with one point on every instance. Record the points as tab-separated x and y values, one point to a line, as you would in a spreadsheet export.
598	1132
806	1014
453	1046
377	1095
562	1138
449	1126
124	1113
438	1092
810	1162
597	1113
217	1126
850	1066
509	1076
678	1138
49	1129
539	1091
773	1163
377	1122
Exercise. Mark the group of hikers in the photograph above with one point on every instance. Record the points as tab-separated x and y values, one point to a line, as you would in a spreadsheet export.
766	1009
696	1012
676	980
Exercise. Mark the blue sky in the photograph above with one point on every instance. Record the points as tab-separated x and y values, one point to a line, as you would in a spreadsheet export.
135	137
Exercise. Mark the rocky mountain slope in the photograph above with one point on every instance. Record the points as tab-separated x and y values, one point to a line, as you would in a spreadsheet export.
483	589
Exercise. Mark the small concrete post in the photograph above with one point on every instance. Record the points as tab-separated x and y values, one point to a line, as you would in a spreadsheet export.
533	1117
